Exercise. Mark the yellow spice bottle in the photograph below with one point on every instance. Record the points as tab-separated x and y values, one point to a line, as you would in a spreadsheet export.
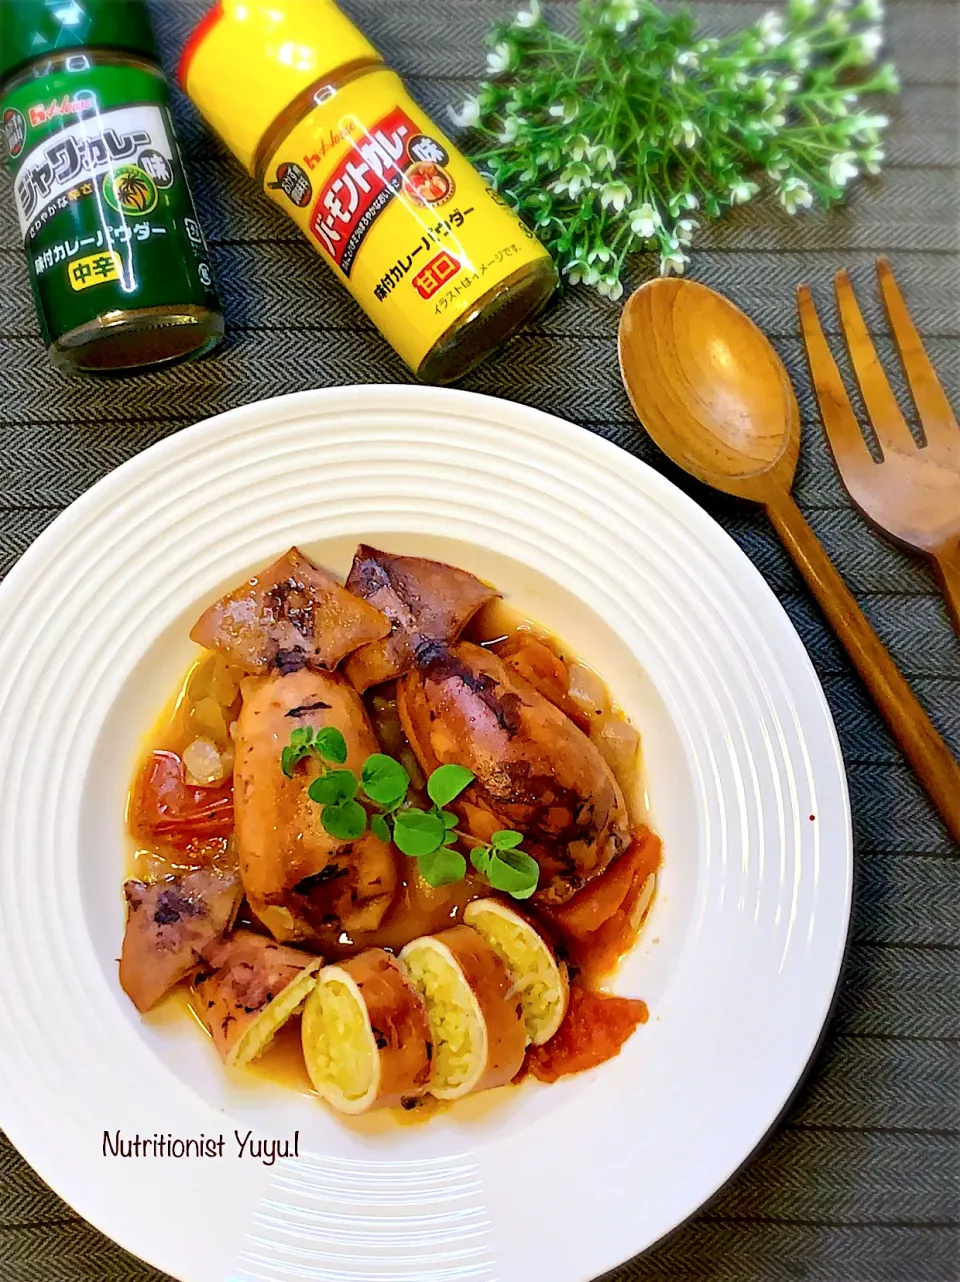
437	260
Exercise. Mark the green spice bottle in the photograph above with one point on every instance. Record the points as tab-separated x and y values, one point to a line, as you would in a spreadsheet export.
119	267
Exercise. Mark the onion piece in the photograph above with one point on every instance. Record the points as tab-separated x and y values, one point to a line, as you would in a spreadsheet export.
618	742
588	691
203	762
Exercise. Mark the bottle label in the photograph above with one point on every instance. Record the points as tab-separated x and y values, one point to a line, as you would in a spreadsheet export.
106	217
406	221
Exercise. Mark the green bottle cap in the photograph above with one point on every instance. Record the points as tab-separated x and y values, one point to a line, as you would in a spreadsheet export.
30	29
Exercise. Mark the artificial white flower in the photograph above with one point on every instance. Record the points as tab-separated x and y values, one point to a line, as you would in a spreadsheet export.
500	58
511	127
528	17
843	168
674	262
688	59
887	79
600	254
868	45
868	126
800	53
872	10
610	287
743	192
573	180
577	146
677	77
644	221
566	109
741	80
795	194
688	201
790	84
770	29
801	9
615	196
873	158
467	116
622	13
578	272
687	133
603	158
684	231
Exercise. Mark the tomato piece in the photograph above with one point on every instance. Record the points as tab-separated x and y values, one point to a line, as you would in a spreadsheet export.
164	806
607	894
594	1030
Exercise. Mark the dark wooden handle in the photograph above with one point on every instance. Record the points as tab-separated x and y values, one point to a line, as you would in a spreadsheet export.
948	571
911	727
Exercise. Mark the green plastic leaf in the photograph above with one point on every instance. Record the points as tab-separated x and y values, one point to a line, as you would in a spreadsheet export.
513	872
384	780
288	759
418	832
345	821
334	787
331	744
302	737
506	839
447	782
480	858
442	867
451	839
380	828
449	820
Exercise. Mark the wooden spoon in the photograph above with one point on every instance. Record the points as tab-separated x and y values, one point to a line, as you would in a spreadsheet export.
714	395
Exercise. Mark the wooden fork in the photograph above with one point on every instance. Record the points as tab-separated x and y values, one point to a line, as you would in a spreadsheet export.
914	493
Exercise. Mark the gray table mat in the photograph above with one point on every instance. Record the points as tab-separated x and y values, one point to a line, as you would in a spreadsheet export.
861	1181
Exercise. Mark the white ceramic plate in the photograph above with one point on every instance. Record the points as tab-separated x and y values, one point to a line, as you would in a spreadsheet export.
738	962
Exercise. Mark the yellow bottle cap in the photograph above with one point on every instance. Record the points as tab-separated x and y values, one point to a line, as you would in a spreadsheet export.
248	60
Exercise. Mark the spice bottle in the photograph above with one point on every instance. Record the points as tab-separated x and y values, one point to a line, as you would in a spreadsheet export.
120	271
437	260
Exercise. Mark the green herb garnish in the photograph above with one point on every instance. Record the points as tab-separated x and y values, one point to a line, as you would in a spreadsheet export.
429	836
327	743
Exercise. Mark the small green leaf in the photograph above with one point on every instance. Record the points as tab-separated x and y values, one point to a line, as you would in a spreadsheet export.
418	832
449	820
384	780
442	867
331	744
334	787
513	872
447	782
506	839
345	821
302	737
451	839
288	760
480	858
379	827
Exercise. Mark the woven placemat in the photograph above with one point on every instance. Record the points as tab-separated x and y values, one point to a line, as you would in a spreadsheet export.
861	1182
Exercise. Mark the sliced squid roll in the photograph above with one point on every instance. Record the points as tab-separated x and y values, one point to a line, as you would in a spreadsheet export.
366	1036
476	1018
249	990
539	979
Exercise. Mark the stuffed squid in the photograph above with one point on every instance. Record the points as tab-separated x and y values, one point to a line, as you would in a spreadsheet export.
536	771
302	883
